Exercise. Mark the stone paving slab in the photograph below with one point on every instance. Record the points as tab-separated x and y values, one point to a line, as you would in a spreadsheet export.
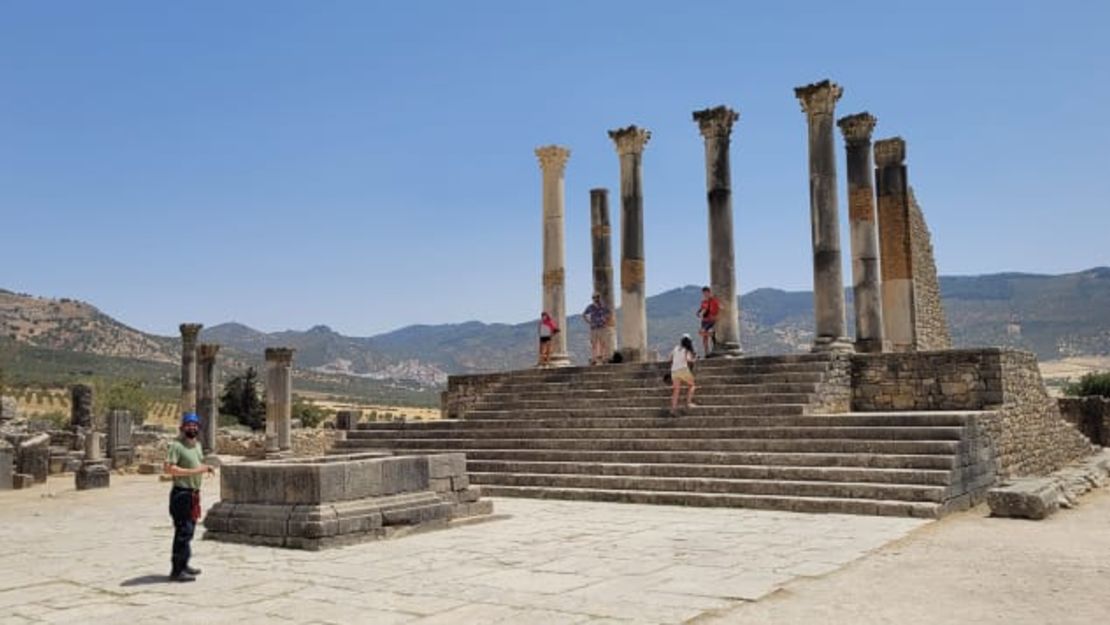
102	556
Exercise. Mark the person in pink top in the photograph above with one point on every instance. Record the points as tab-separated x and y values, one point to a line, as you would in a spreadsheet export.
548	329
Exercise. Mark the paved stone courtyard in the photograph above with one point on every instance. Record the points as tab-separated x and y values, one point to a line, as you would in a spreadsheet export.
102	556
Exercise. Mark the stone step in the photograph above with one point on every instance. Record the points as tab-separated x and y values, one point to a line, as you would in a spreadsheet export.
742	472
651	399
703	389
675	432
460	442
768	410
811	459
732	367
781	488
910	419
705	378
761	502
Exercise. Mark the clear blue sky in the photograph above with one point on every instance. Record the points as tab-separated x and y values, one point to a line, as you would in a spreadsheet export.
369	165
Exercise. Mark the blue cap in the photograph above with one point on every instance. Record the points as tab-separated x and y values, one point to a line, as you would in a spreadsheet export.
190	417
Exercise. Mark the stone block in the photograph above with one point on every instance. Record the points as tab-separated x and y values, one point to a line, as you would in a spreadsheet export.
404	474
7	465
34	457
446	465
363	479
9	408
22	480
92	475
1030	498
440	484
300	484
150	468
461	482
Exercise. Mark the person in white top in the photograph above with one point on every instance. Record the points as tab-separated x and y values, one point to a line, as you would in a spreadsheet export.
682	357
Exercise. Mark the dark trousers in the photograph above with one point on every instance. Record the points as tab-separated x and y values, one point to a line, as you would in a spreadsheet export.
181	509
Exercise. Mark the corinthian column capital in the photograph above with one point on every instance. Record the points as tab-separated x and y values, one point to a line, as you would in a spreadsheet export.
819	98
553	158
716	122
280	355
630	140
857	128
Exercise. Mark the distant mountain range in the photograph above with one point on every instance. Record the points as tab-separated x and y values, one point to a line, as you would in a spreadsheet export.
1053	316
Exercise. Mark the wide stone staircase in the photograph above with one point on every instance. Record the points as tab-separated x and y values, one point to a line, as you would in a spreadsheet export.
753	440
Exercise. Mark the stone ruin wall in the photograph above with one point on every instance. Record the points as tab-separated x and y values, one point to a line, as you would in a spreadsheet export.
1026	430
929	318
1091	415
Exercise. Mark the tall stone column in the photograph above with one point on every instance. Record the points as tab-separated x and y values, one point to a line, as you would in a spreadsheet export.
819	103
279	396
206	395
866	282
189	333
553	162
602	246
630	144
894	236
715	125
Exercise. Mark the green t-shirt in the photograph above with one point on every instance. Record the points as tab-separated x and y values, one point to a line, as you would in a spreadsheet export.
186	457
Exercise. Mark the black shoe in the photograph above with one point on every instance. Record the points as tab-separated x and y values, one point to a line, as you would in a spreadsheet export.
183	576
191	571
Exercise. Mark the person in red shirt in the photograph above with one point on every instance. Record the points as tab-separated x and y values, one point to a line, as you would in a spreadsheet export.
707	312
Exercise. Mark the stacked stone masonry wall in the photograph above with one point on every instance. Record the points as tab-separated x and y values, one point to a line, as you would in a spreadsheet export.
932	323
464	391
1024	425
1090	415
834	394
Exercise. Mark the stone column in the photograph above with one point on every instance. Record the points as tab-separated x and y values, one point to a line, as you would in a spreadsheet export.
189	333
716	126
601	243
94	471
866	283
80	407
279	396
206	396
553	162
819	103
894	238
119	438
630	144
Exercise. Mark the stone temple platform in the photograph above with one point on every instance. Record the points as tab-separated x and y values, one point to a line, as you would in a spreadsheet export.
311	503
903	434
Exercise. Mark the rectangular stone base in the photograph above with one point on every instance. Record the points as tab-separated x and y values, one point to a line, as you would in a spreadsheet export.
92	476
22	480
313	503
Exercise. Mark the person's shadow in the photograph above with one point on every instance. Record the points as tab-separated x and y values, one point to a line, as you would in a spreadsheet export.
144	580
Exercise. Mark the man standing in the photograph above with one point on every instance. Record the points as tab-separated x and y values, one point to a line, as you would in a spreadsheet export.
597	317
708	312
185	462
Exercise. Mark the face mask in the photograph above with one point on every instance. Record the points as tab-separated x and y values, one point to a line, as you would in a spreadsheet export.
190	433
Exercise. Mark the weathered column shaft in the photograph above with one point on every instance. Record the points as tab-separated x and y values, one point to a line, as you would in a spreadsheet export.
189	333
81	407
894	239
819	103
553	161
206	395
279	395
866	282
602	246
630	144
715	125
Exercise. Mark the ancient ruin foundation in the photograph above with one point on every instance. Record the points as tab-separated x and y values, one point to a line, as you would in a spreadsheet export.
313	503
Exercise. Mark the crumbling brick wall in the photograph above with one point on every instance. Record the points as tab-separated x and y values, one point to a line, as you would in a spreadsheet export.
931	323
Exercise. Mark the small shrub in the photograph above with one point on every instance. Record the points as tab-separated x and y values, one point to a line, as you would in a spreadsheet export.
56	419
1090	384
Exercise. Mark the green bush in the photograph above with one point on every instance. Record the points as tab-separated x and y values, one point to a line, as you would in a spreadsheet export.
1090	384
309	413
241	400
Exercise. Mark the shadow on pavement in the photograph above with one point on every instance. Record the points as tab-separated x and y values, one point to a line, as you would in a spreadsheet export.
143	580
